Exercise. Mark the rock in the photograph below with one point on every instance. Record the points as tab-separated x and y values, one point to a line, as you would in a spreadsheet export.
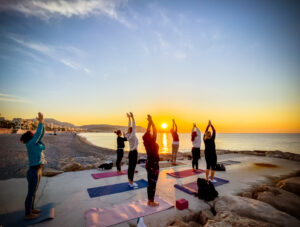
227	218
179	223
280	199
74	166
254	209
204	216
191	217
291	184
49	172
193	224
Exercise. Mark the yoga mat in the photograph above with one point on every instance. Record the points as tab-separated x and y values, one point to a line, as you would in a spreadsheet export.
192	188
17	218
109	174
115	188
186	173
229	162
116	214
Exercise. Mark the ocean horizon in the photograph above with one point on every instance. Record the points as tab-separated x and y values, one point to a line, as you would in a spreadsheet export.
286	142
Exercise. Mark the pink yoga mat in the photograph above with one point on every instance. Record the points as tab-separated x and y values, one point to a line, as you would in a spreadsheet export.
109	174
98	217
186	173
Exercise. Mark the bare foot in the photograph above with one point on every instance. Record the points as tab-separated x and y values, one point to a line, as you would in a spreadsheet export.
194	170
36	211
31	216
153	204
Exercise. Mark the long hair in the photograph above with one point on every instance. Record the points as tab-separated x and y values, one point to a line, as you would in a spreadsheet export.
26	137
194	134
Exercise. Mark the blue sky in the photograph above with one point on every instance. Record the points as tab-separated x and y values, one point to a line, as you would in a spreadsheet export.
236	62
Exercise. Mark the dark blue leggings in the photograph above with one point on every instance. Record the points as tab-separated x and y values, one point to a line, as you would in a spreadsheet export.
33	177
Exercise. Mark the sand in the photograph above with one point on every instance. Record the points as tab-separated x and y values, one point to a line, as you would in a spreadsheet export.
14	160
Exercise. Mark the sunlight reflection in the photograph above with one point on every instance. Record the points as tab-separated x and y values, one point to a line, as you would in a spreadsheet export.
164	148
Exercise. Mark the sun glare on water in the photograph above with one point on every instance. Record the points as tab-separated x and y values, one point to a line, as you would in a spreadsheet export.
164	125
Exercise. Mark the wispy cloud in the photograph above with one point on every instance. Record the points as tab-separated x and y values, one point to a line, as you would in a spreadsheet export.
48	9
12	98
55	52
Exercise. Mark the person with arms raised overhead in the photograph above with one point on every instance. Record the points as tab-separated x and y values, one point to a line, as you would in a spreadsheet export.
196	140
210	152
152	163
133	144
175	144
35	150
120	149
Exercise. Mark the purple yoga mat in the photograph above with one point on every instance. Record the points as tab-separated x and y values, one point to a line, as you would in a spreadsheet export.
116	214
109	174
186	173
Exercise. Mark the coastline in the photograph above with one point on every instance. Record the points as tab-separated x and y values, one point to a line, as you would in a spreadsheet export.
69	152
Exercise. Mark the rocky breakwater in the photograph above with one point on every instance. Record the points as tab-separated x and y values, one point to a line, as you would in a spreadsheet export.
271	205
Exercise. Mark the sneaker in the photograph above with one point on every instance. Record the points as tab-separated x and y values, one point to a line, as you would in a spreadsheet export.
135	184
214	181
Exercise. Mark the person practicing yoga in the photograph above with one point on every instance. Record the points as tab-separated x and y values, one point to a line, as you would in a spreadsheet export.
120	149
196	140
133	144
152	162
175	144
35	151
210	152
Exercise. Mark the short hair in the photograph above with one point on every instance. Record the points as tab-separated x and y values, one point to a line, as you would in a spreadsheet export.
26	137
118	132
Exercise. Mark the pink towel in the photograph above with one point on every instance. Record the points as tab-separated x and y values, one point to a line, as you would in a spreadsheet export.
109	174
98	217
186	173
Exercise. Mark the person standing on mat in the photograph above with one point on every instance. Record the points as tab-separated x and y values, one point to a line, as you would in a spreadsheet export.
152	162
133	144
120	149
210	152
175	144
196	140
35	151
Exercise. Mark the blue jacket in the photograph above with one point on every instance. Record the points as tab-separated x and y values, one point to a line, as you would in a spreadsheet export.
35	147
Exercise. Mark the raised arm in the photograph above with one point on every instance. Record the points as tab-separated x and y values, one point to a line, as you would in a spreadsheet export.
198	131
129	120
175	126
194	126
133	124
214	132
154	130
39	131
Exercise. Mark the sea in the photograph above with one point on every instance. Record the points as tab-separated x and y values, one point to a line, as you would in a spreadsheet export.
224	141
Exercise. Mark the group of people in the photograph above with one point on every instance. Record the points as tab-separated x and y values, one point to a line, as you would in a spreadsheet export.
35	148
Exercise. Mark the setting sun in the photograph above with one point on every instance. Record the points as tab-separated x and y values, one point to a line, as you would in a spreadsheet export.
164	125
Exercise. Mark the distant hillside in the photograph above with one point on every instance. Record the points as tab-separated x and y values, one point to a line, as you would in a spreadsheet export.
59	123
93	128
109	128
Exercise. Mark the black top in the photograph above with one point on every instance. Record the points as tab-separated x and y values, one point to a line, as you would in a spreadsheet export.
120	142
210	147
151	146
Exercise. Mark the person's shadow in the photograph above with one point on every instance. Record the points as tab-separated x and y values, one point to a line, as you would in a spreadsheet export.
16	218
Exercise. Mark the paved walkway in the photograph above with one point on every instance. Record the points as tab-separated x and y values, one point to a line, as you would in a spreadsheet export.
69	190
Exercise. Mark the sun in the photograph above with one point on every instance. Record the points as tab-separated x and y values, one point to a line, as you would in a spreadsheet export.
164	125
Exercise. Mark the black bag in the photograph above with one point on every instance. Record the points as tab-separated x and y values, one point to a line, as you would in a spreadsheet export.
206	190
220	167
106	165
142	160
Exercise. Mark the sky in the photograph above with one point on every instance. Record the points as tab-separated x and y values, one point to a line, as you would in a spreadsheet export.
236	63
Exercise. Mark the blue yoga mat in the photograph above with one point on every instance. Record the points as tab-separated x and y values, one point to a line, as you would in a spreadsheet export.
17	218
192	188
115	188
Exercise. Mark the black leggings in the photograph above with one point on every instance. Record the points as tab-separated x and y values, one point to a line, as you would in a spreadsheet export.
120	153
33	177
211	160
196	157
153	172
132	163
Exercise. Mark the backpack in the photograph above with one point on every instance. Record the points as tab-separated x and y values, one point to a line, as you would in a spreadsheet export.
106	165
142	160
206	190
220	167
